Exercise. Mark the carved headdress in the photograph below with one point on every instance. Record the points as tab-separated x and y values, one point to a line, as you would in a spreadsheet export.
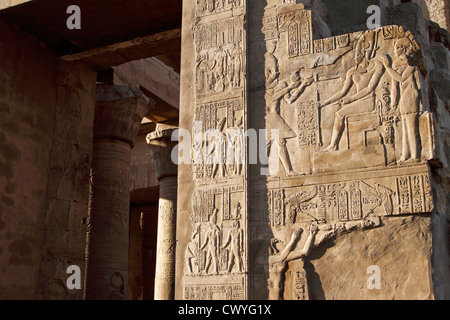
367	44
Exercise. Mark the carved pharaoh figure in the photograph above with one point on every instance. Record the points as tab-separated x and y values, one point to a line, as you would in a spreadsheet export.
365	77
276	90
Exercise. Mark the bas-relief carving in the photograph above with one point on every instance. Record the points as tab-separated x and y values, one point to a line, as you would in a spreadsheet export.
343	200
215	255
343	104
352	95
220	51
218	130
215	258
217	241
219	144
368	88
215	289
205	7
298	219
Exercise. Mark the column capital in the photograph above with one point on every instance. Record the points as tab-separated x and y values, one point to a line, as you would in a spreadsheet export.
119	111
161	145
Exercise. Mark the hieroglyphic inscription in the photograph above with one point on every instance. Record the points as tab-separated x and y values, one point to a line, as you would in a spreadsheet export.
414	194
276	207
217	243
347	91
205	7
342	40
298	25
231	291
300	286
308	123
342	203
353	200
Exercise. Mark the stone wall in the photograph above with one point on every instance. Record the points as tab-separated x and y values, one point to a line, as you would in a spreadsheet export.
46	143
27	121
357	175
68	191
402	251
438	79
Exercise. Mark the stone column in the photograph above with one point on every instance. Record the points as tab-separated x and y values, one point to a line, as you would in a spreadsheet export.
118	114
166	170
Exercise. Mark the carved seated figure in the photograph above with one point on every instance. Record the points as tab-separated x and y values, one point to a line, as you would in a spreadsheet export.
365	78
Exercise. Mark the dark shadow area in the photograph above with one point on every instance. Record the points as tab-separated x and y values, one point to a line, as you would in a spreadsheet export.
260	234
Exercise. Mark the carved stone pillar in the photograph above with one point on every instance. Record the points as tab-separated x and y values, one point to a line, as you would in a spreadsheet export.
118	114
166	170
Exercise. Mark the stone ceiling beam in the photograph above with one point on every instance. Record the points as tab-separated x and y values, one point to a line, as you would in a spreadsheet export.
122	52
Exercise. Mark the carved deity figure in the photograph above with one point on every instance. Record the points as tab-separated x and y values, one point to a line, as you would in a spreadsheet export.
235	240
365	77
278	263
407	78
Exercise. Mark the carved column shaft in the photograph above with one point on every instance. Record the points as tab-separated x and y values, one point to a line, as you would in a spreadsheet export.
107	237
161	145
118	114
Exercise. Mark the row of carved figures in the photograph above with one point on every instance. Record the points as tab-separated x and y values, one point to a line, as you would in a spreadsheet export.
209	252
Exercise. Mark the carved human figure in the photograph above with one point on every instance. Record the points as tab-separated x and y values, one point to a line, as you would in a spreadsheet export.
275	91
216	148
192	248
211	244
409	100
326	231
238	148
278	263
235	240
237	210
235	65
365	77
220	70
210	74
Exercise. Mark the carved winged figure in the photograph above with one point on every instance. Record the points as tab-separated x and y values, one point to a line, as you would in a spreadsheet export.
298	198
386	198
383	196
